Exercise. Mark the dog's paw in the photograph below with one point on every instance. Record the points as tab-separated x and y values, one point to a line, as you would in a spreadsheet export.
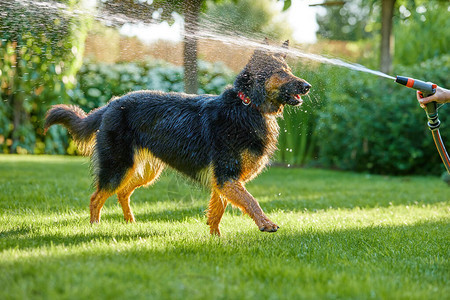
129	218
214	231
268	226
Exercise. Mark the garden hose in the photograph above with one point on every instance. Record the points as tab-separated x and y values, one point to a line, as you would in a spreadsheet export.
428	89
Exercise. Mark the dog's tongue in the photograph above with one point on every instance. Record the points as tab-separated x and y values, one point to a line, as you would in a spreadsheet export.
297	97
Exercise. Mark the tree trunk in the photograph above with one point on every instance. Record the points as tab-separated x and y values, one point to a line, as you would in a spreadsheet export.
191	16
387	13
15	100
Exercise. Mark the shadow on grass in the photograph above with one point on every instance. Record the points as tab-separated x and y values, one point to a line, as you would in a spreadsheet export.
25	238
297	205
378	258
167	215
295	242
20	238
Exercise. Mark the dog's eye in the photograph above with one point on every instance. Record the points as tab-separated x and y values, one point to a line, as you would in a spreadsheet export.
282	74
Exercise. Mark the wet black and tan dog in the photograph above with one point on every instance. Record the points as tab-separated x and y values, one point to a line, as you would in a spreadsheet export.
220	141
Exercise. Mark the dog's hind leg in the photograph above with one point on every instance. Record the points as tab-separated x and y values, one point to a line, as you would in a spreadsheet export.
236	193
103	192
147	170
125	193
124	200
216	208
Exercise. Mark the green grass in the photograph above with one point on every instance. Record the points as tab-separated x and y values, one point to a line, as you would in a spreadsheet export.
342	235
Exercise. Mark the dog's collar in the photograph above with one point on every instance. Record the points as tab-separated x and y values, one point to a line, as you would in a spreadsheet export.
245	99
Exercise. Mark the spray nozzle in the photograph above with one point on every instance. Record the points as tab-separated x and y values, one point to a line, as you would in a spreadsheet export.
427	88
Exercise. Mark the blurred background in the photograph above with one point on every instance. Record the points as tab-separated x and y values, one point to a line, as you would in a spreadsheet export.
84	52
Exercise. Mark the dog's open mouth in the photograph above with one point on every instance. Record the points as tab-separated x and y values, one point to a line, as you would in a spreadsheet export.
292	92
295	100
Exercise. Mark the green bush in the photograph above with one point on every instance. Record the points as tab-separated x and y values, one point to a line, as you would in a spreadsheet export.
99	82
40	52
372	124
424	34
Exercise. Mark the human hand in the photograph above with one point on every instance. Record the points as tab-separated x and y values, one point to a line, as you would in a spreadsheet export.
441	96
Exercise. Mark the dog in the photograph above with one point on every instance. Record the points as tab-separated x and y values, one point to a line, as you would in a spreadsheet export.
219	141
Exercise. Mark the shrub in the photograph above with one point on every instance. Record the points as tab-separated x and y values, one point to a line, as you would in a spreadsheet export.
371	124
40	53
99	82
428	22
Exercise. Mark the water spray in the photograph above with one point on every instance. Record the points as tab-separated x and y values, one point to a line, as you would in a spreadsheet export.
427	89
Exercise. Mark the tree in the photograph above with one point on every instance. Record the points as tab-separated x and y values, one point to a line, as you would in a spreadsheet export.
41	50
387	13
421	32
248	18
341	22
141	10
346	21
191	20
191	10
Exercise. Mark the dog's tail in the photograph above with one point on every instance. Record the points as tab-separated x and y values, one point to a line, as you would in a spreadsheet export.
82	127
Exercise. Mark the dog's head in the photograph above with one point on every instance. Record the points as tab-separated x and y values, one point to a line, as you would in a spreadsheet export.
269	83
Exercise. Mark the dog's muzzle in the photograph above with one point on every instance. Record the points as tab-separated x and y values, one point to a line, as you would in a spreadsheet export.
291	92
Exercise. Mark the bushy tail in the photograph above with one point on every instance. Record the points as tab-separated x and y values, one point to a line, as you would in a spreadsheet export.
82	127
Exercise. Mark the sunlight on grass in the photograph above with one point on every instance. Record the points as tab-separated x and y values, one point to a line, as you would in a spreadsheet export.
342	235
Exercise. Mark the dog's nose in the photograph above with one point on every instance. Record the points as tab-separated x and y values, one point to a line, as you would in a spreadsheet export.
305	87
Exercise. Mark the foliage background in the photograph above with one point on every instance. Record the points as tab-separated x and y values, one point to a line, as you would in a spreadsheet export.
349	121
259	18
370	124
41	50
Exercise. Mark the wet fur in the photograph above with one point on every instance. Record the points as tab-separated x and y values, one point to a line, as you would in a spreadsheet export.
215	140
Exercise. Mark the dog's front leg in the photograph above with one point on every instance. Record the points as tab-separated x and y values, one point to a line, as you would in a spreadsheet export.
216	208
236	193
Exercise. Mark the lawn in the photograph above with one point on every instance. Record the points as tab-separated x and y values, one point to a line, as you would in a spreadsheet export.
342	235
